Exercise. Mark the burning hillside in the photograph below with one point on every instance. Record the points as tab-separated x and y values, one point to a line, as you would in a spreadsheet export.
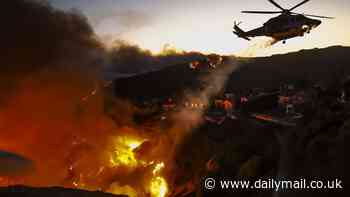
57	113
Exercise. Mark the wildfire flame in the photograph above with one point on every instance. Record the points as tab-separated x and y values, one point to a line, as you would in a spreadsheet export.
158	168
125	190
124	152
123	155
159	186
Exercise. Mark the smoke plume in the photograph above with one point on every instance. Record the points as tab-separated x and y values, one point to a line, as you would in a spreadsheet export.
14	164
257	46
55	112
52	61
125	58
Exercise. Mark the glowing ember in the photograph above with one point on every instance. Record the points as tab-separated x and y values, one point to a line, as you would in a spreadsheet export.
159	187
158	168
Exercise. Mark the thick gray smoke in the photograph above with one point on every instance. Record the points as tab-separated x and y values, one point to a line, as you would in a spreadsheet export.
37	37
213	83
125	58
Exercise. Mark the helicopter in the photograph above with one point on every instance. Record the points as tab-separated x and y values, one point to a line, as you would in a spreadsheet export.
285	26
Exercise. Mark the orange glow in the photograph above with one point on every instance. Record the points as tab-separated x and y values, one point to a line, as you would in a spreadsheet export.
122	190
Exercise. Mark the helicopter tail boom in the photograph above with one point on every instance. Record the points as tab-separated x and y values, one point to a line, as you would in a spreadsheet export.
239	32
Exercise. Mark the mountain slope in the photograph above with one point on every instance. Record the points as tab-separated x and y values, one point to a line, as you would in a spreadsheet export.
317	65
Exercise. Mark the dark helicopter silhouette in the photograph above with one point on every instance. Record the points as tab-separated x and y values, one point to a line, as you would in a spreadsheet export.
285	26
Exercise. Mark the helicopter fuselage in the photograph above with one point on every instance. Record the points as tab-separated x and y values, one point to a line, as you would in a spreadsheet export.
287	25
282	27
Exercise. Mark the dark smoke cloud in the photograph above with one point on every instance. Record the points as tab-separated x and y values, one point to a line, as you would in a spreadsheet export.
12	164
36	36
128	58
50	60
51	106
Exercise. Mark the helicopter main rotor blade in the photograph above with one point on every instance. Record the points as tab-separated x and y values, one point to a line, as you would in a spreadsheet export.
276	4
302	3
261	12
319	16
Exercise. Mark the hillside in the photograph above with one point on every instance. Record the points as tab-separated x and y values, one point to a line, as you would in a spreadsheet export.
317	65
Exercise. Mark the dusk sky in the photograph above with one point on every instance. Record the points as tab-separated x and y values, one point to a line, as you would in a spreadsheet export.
205	25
